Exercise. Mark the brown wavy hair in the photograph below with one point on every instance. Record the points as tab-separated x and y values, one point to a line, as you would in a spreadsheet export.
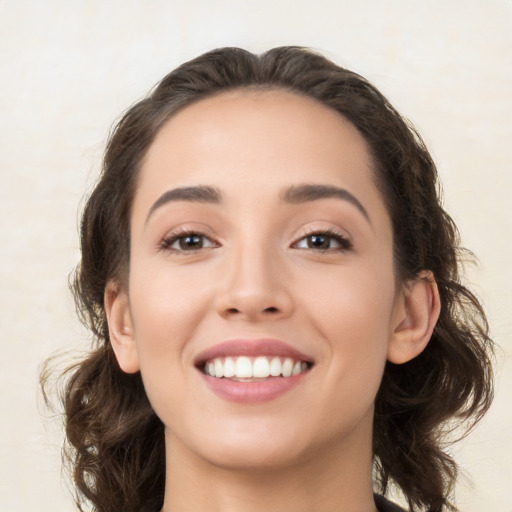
115	441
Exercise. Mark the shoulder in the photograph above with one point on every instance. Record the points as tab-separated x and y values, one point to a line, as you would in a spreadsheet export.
383	505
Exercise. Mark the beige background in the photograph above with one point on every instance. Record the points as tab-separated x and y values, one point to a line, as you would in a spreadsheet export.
70	67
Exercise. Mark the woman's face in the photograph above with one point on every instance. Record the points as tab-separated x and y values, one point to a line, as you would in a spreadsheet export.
260	244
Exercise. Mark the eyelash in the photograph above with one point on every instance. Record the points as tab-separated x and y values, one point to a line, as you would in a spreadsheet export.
343	243
167	243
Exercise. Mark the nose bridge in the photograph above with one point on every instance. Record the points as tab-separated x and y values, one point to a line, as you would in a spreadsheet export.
254	281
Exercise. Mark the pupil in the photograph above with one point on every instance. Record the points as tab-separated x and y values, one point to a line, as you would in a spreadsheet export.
318	242
191	242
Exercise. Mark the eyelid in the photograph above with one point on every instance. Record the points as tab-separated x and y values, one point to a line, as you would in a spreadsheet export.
171	237
341	236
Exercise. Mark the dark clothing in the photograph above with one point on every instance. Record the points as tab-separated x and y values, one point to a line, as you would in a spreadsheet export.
383	505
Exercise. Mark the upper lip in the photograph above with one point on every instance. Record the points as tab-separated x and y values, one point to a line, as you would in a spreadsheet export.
248	347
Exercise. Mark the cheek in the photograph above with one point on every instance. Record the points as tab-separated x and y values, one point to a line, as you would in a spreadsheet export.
352	300
164	320
353	313
166	306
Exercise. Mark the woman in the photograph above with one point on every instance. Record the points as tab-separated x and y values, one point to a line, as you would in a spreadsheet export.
274	290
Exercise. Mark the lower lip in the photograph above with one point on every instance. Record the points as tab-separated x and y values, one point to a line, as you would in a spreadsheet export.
254	391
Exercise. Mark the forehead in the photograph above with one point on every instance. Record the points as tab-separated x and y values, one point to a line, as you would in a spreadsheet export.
254	119
255	143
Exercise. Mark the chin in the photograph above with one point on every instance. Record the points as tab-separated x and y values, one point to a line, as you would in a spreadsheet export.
253	458
243	448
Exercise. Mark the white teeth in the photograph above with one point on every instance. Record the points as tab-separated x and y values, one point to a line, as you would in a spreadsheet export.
287	367
261	367
243	367
219	368
276	367
229	367
296	368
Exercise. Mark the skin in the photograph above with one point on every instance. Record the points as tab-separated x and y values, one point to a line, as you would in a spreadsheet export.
256	277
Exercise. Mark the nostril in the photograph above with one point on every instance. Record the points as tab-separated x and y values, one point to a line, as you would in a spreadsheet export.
271	309
233	310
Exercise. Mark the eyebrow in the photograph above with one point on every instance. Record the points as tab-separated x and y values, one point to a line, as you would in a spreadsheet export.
195	194
298	194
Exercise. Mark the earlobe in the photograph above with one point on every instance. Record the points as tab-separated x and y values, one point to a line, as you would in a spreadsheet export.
418	309
120	328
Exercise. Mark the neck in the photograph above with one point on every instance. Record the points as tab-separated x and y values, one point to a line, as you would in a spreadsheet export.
328	481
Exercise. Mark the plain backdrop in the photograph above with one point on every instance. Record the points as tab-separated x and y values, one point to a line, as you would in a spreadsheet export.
68	69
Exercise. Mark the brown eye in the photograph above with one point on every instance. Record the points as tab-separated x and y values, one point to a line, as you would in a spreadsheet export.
319	242
187	242
323	242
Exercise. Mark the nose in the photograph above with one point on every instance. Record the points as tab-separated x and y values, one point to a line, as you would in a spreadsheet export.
254	286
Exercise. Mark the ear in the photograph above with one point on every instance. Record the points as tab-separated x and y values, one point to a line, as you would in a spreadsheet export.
417	311
120	328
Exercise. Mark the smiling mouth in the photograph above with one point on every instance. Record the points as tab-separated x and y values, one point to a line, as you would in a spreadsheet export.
252	369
